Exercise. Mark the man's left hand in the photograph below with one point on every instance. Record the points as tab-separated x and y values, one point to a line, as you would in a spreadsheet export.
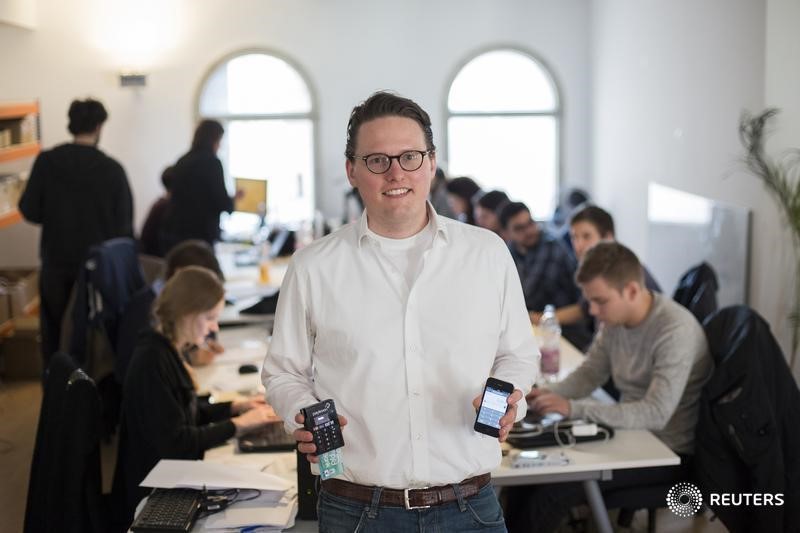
550	402
508	419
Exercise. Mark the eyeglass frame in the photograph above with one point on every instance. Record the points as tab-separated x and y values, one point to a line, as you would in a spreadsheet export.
397	157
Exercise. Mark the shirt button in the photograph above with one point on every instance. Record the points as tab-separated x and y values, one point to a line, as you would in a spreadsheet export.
419	436
415	393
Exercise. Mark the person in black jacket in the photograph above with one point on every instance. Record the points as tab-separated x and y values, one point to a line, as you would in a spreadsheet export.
162	417
81	197
198	194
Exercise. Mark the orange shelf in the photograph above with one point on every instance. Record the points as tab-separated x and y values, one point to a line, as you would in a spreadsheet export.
18	151
17	109
10	217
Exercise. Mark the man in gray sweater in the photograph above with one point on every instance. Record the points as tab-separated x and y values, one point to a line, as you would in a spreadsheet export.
656	352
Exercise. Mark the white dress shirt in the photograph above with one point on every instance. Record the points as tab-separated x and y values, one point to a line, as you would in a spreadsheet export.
402	363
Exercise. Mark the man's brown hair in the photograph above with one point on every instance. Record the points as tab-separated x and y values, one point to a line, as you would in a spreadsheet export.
613	262
385	104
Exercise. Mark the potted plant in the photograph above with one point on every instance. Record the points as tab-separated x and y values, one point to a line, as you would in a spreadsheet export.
782	180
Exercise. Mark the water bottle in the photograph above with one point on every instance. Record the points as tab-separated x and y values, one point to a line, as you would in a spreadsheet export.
551	337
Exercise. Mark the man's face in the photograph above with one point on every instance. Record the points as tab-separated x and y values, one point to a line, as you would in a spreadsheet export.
606	303
523	230
486	218
397	197
584	235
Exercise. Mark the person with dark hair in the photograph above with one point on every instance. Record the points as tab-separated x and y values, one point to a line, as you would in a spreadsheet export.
406	364
589	225
138	314
162	417
438	195
656	352
460	192
149	242
80	197
487	206
198	193
545	267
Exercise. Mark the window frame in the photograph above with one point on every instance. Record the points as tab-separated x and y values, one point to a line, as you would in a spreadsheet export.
312	115
557	113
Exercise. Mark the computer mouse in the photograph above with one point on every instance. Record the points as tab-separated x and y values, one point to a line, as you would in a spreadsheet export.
248	369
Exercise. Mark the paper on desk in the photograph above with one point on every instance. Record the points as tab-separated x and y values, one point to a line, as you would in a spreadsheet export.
247	352
257	512
172	473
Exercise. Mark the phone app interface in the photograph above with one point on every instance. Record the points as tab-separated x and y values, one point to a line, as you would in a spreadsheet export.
493	407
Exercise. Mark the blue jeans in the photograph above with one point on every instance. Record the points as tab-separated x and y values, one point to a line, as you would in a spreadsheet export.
480	512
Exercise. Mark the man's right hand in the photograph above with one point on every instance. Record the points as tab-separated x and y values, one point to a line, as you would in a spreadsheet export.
305	439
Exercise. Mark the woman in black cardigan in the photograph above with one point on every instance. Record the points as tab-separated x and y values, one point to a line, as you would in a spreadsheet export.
162	416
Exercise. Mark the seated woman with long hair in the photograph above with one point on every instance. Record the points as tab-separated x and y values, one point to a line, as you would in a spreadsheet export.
162	416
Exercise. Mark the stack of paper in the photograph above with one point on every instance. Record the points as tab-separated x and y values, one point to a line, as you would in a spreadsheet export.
269	515
173	473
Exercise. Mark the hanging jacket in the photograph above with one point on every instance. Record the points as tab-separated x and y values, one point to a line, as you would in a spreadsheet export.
748	432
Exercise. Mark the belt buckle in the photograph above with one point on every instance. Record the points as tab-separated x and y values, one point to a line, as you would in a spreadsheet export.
408	504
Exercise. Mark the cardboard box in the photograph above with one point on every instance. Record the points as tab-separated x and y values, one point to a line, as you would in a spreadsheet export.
21	352
21	290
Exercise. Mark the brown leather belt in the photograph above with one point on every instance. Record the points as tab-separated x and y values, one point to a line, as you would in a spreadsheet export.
408	498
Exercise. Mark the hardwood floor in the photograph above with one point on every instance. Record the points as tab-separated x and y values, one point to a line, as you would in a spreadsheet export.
19	414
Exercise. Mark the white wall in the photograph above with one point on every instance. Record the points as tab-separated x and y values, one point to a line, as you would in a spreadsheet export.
347	48
671	80
18	12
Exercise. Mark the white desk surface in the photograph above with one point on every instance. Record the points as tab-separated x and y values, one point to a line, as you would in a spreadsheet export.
630	448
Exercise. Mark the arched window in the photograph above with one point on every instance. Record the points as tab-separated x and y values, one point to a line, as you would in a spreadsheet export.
266	108
502	127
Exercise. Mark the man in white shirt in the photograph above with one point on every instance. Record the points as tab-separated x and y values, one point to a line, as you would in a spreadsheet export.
400	317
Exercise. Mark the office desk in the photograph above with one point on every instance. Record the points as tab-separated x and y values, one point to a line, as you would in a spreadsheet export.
243	288
589	462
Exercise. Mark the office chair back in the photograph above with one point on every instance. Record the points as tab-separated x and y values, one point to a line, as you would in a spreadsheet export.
65	489
697	291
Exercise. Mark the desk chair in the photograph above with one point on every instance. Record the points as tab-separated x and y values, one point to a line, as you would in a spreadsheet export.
64	494
697	291
747	431
111	274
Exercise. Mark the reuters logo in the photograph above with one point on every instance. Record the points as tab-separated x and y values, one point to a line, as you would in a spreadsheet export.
684	499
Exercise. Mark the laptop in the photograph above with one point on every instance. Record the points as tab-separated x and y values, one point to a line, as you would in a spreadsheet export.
271	438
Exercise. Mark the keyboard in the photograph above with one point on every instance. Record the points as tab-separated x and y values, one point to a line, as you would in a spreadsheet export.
168	510
270	438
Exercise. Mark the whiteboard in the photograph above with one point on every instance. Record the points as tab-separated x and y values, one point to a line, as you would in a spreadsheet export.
685	229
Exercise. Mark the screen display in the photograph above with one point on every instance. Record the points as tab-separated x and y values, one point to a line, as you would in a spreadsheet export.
493	407
321	419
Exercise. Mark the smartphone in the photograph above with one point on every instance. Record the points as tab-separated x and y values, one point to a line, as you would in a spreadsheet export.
494	405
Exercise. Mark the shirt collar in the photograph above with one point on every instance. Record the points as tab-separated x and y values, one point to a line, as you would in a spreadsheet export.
438	225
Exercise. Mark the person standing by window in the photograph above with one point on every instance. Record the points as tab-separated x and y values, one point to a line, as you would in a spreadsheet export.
198	194
80	197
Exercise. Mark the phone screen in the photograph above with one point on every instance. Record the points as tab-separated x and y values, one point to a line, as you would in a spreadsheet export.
493	407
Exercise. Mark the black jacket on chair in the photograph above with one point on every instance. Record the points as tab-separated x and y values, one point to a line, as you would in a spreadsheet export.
697	291
748	432
64	494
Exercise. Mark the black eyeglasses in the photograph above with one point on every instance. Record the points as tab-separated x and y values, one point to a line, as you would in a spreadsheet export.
408	161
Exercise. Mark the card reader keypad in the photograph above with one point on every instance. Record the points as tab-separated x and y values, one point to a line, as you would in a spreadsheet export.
322	421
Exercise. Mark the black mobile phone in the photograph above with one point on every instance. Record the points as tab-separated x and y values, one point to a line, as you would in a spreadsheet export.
323	422
494	405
